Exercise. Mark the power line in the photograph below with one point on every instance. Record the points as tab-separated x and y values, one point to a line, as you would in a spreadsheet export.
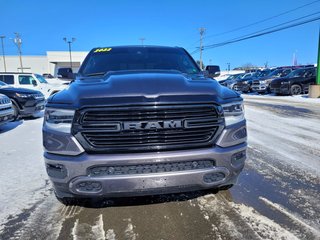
263	20
261	34
278	25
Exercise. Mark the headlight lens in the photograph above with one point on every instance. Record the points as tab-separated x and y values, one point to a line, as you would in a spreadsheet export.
22	95
233	112
58	119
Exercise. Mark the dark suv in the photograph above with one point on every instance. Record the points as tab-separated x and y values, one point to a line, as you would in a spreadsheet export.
25	102
297	82
261	85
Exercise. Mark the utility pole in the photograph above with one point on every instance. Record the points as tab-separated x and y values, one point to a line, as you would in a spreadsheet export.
69	43
142	40
3	55
17	41
202	31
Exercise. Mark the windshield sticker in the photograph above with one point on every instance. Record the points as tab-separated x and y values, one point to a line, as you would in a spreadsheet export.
103	50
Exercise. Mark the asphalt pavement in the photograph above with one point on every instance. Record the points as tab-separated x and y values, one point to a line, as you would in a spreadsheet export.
277	195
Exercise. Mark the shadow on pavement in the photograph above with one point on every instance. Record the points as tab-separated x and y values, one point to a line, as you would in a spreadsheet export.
143	200
9	126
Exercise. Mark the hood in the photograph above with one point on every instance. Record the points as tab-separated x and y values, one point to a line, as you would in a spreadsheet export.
132	87
18	90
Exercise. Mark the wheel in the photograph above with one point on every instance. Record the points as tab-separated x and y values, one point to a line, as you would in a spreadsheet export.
268	90
295	89
15	112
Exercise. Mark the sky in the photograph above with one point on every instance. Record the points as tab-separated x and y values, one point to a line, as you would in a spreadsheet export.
44	24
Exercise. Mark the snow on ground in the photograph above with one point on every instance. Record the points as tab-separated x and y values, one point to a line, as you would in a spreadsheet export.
23	178
294	137
296	98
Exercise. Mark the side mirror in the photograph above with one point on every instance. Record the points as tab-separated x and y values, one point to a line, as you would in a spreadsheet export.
34	83
213	70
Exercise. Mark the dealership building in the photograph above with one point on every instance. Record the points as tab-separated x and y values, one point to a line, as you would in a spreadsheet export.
49	63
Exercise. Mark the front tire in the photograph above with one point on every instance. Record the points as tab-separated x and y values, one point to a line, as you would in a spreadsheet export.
295	89
15	112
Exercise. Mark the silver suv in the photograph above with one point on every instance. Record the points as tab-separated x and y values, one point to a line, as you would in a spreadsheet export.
6	111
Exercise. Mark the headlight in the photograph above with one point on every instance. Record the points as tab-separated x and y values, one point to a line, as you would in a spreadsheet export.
58	119
283	83
233	112
22	95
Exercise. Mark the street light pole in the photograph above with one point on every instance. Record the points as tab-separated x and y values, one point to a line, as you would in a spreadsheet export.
69	43
17	40
202	31
3	55
142	40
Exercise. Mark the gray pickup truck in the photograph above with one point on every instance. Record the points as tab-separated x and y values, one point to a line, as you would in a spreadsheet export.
142	120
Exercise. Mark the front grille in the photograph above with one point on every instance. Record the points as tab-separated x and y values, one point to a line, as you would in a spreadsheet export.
4	100
5	109
38	96
148	128
109	170
256	82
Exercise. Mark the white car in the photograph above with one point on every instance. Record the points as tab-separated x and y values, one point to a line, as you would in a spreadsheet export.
31	81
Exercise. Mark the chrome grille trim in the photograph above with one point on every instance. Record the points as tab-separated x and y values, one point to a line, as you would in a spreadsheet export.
102	129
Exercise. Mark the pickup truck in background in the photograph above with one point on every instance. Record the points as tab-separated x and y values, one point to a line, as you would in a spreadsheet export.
142	120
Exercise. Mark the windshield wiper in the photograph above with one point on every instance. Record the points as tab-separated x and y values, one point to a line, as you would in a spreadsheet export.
95	74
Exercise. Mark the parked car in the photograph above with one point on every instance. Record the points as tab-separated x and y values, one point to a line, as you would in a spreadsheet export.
6	110
25	102
31	81
47	76
295	83
244	84
261	85
231	80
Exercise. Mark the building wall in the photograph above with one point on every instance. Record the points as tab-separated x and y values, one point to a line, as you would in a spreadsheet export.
44	64
37	64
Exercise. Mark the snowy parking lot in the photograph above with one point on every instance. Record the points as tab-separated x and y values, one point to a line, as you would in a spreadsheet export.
277	195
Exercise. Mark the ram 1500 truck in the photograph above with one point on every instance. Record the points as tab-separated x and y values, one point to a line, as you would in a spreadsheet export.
142	120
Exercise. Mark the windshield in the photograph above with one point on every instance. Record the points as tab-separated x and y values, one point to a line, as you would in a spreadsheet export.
2	84
263	73
103	60
41	79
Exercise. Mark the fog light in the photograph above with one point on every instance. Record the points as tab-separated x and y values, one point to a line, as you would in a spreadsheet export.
213	177
238	157
56	171
89	186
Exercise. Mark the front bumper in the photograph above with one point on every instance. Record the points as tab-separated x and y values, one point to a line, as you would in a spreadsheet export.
259	88
284	89
71	177
6	115
32	107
